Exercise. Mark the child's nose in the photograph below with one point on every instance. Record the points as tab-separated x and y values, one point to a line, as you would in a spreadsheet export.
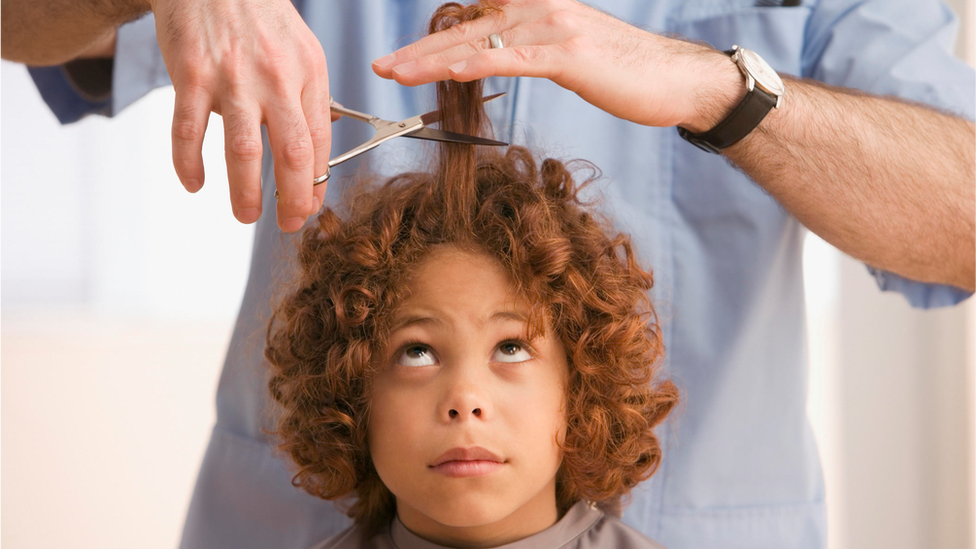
464	403
454	413
464	395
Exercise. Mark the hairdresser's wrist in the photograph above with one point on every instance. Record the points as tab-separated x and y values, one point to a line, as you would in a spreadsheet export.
719	87
118	12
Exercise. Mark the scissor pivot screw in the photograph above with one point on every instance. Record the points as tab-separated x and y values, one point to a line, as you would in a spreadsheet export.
403	124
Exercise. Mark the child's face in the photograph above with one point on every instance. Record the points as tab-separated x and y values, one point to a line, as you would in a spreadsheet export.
457	375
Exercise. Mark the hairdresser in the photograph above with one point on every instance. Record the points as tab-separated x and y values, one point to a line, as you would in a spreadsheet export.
717	206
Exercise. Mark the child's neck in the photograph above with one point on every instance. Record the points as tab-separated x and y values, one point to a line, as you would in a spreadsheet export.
534	516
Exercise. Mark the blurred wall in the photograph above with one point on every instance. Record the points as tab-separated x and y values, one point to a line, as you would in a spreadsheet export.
119	291
93	214
892	393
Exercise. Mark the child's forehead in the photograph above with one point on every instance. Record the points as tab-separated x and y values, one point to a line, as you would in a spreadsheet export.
452	280
459	252
452	265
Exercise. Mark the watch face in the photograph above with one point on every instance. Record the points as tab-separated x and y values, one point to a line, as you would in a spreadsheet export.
764	74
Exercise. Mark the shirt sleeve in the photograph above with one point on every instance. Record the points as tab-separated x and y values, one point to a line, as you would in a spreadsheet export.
67	100
78	89
901	48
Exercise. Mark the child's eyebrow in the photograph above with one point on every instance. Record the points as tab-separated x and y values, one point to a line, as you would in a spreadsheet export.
411	319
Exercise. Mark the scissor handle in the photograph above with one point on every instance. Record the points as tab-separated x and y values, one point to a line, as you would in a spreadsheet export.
317	181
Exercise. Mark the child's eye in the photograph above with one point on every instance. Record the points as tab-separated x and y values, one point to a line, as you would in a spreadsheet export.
416	355
512	351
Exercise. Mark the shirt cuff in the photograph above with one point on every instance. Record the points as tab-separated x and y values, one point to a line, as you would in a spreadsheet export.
139	66
919	294
66	100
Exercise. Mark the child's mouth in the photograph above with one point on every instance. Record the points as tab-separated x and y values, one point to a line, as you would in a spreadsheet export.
474	468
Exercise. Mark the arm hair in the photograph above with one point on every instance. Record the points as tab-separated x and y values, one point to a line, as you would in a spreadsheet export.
52	32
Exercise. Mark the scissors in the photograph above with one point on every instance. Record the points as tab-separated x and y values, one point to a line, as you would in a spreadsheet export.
414	127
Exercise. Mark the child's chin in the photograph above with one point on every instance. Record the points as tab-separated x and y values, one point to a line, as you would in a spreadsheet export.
465	512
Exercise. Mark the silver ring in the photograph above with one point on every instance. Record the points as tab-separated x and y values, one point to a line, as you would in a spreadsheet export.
317	181
495	41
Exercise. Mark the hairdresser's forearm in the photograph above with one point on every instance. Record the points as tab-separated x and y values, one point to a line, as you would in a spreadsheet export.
887	182
51	32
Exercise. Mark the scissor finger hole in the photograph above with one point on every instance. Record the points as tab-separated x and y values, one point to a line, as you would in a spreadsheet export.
317	181
322	178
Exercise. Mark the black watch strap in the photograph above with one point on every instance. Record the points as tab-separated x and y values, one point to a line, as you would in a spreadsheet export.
743	119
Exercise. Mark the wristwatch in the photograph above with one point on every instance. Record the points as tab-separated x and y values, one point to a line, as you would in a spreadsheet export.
765	93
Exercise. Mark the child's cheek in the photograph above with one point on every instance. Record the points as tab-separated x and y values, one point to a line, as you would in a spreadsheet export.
394	434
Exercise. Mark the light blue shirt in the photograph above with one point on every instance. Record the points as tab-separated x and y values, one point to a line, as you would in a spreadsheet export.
740	466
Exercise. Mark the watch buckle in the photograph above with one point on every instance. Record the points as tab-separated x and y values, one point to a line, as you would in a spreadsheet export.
705	146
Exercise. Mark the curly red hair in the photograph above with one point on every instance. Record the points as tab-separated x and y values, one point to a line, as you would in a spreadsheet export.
581	276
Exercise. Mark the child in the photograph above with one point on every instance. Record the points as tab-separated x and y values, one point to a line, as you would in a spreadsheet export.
470	355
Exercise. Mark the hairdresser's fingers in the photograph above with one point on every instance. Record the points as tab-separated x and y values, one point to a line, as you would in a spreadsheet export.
294	162
320	130
191	114
434	67
315	103
242	151
534	61
321	159
512	14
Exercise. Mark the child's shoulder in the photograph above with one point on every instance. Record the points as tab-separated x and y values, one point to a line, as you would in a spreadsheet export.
609	532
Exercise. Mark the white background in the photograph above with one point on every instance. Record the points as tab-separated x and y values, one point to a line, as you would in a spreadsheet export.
119	292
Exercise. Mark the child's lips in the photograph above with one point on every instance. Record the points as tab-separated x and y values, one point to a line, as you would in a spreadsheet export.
474	453
473	468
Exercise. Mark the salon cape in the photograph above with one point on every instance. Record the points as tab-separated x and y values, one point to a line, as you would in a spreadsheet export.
582	527
740	466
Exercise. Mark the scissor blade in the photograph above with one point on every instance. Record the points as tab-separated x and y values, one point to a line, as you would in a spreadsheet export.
353	114
451	137
435	116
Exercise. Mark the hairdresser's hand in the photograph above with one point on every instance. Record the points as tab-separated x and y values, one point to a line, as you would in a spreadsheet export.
628	72
253	62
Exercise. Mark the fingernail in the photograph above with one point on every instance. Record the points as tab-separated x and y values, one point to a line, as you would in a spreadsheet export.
292	224
318	204
405	68
248	215
384	61
192	185
458	67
